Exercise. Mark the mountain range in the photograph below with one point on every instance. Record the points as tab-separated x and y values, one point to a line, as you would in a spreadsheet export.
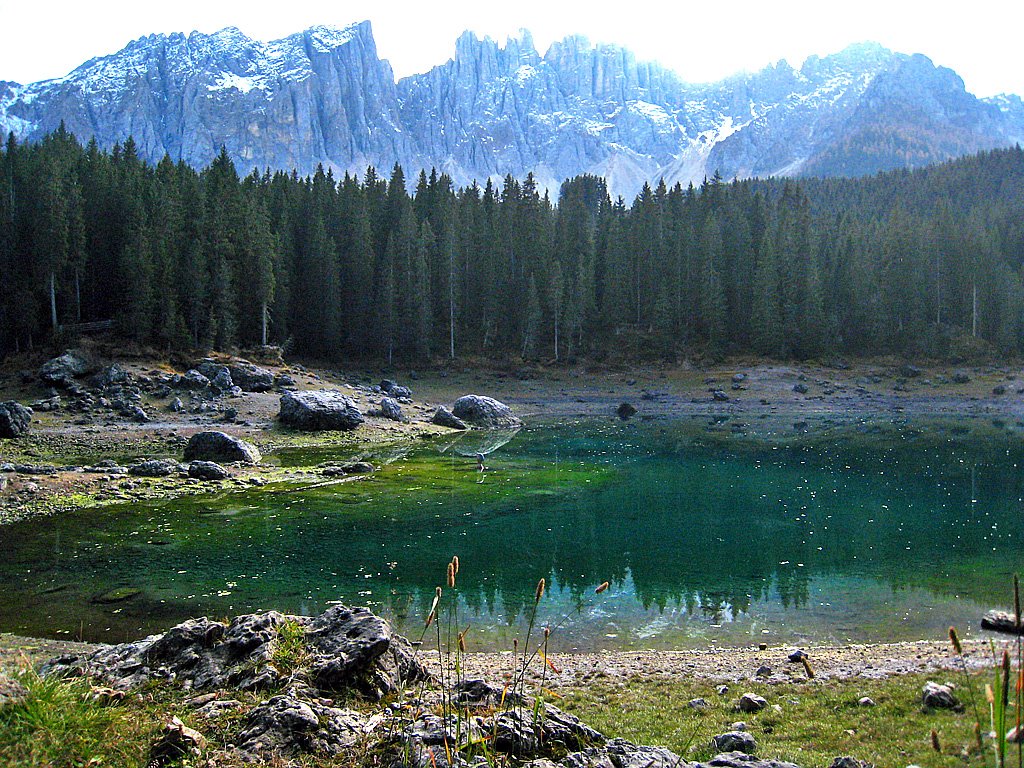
324	96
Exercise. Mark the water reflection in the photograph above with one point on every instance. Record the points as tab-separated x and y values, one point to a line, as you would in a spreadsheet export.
708	531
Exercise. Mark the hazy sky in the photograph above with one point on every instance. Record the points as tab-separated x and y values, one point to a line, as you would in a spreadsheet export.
702	41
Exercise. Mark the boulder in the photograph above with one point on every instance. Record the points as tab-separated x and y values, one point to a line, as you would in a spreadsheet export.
15	419
1001	621
354	648
741	760
445	418
618	753
390	409
218	446
750	702
287	724
250	377
207	470
961	377
939	696
389	387
625	411
480	411
155	468
63	369
800	389
735	741
320	409
193	379
719	396
111	376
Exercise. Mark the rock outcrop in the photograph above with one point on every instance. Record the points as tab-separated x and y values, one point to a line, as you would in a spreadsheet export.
321	409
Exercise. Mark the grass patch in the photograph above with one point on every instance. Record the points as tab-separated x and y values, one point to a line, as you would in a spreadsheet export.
290	648
818	721
61	725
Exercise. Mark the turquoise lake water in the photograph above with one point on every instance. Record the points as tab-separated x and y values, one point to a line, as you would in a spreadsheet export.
710	531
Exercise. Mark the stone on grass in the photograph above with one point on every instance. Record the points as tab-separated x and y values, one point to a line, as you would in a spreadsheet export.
751	702
939	696
735	741
321	409
625	411
846	761
219	446
486	412
67	367
286	724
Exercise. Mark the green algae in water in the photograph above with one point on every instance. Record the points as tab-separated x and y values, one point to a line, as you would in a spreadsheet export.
833	532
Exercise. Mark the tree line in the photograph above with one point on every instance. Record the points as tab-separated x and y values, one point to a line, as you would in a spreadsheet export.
917	263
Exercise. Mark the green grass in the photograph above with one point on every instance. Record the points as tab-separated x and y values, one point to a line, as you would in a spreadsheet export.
818	720
61	725
290	649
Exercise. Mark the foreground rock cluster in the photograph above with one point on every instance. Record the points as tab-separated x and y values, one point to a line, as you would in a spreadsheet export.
303	666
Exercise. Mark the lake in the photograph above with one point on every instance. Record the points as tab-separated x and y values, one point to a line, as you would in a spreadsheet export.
710	530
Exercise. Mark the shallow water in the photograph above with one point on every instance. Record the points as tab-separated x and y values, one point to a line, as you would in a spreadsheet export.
711	531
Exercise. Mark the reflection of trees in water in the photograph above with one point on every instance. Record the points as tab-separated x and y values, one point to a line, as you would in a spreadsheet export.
711	531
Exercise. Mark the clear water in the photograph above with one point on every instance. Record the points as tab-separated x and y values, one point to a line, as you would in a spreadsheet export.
710	532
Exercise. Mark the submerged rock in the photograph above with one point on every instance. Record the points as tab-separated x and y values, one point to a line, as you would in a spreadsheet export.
321	409
625	411
15	419
480	411
219	446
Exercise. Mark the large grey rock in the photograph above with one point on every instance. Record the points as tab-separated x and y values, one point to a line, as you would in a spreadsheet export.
347	650
219	446
481	411
193	379
741	760
352	647
207	470
619	753
155	468
287	724
64	369
390	409
15	419
445	418
250	377
321	409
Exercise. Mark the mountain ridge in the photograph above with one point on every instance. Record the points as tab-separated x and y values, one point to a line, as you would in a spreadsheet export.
325	96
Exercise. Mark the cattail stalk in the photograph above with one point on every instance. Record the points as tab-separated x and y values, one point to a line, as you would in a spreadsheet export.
807	667
936	744
958	648
601	588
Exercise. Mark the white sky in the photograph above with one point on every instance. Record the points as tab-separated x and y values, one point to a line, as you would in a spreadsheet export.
702	41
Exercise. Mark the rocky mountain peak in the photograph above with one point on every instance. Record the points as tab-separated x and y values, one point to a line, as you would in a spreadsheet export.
324	96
